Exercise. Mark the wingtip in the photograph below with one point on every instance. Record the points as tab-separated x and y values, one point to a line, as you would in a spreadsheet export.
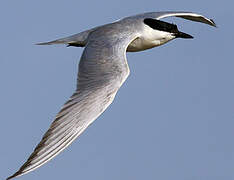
213	23
18	173
10	177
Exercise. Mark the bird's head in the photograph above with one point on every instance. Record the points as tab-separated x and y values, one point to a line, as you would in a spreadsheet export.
164	29
155	33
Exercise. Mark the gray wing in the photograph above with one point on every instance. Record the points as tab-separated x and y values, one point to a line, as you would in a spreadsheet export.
186	15
80	39
102	70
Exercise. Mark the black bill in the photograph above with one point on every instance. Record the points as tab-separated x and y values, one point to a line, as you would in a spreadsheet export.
182	35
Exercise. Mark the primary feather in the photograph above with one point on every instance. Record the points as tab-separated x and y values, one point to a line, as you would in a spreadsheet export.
103	68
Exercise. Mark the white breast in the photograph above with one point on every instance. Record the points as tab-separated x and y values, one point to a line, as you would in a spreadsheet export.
149	38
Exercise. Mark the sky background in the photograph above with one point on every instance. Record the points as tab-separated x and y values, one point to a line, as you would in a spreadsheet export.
173	119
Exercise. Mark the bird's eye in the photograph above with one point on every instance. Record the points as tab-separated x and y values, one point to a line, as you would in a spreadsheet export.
160	25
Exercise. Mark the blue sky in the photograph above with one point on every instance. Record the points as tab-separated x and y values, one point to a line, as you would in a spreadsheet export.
172	119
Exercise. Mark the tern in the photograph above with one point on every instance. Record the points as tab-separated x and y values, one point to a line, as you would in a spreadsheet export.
103	68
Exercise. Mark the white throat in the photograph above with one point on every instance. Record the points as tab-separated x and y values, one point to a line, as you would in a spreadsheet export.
149	38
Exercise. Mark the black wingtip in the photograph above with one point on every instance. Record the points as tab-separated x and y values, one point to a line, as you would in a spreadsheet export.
213	23
10	177
14	175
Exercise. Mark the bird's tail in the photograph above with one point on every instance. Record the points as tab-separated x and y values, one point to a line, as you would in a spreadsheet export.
78	40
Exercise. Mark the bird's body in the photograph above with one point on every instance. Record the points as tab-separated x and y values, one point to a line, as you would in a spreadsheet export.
103	68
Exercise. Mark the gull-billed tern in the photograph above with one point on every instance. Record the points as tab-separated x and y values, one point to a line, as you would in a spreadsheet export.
103	68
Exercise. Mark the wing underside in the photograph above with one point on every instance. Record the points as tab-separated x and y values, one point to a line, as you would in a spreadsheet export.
75	116
102	70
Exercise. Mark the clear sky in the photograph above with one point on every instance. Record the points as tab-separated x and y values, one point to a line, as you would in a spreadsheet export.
173	119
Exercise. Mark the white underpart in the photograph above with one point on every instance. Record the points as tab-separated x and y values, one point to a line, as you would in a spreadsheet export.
153	37
150	38
102	70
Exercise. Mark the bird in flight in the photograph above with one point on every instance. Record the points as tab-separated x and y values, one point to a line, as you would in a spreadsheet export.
103	68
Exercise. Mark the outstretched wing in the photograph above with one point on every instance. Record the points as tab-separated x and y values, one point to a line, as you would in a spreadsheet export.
102	70
80	39
186	15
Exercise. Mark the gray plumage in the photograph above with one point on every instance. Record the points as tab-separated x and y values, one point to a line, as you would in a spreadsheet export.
103	68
